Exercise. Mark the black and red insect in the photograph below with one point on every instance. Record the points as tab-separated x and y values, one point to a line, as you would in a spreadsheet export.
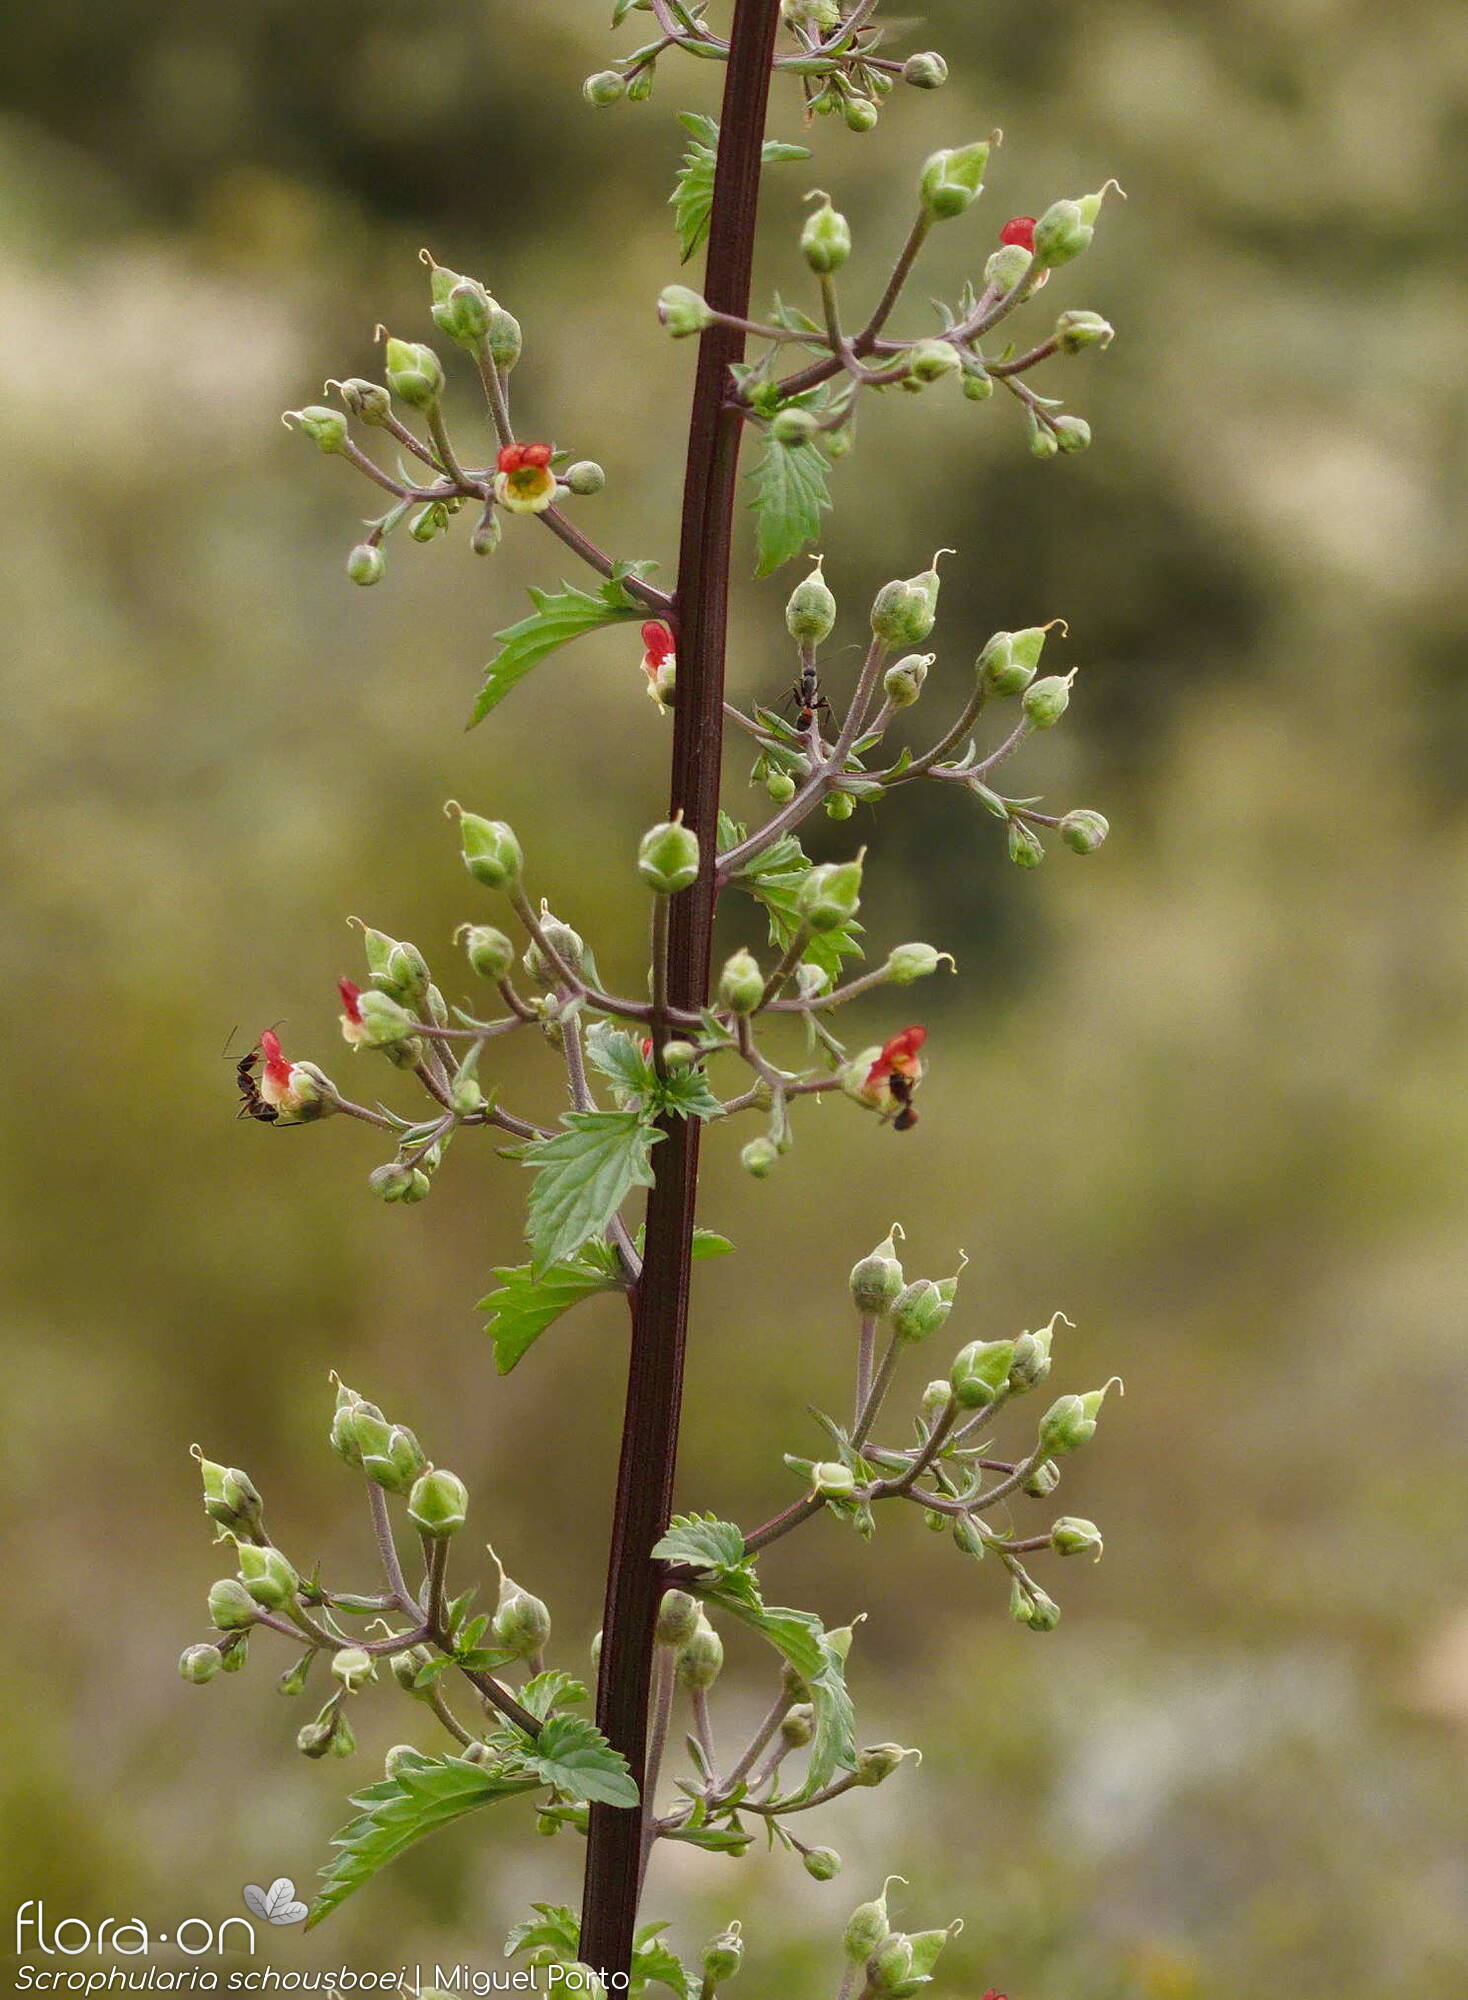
806	698
252	1104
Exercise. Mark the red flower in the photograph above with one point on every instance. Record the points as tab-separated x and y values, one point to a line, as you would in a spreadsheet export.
524	482
275	1078
351	999
516	457
659	661
1021	230
900	1057
993	1993
893	1076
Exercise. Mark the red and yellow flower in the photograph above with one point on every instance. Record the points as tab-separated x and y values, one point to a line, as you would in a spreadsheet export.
659	663
887	1078
524	481
292	1090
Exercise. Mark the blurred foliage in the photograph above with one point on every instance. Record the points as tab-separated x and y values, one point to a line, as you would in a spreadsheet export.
1208	1091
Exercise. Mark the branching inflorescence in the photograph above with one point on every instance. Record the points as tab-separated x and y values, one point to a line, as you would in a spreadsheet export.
644	1074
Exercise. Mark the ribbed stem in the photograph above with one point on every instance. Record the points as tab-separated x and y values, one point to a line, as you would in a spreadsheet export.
660	1303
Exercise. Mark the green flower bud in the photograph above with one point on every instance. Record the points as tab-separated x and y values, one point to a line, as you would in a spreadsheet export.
1029	1605
1083	830
840	805
1070	433
1031	1363
1043	441
667	857
1076	330
585	476
231	1605
438	1503
931	360
429	522
919	1309
230	1497
876	1280
397	1180
952	179
936	1403
490	952
326	428
903	683
1007	664
860	114
402	1757
1070	1421
701	1660
968	1536
353	1667
798	1725
868	1926
678	1616
781	787
741	983
383	1021
461	306
978	383
1043	1481
1071	1536
406	1667
640	84
568	945
820	16
1045	701
267	1576
366	563
1061	233
810	612
980	1371
487	533
825	240
199	1664
504	339
722	1957
683	311
414	373
1026	850
821	1863
925	71
522	1624
391	1456
833	1481
793	426
607	86
369	402
314	1739
234	1652
293	1680
760	1158
878	1761
491	852
1007	266
830	894
905	611
908	962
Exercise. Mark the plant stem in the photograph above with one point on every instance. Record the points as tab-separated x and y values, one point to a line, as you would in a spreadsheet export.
660	1302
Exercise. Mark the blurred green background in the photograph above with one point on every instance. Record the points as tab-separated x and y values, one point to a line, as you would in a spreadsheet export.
1206	1091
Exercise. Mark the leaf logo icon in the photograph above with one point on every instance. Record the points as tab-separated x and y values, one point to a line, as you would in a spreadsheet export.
277	1904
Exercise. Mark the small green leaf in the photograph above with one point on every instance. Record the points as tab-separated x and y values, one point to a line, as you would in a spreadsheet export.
525	1305
553	1925
704	1542
558	617
572	1754
790	496
582	1176
717	1839
708	1243
398	1811
774	879
549	1690
655	1963
693	195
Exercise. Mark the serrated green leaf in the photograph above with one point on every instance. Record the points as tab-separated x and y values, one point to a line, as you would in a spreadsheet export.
525	1305
774	879
693	194
553	1925
682	1093
618	1056
790	496
582	1176
655	1963
549	1690
704	1542
685	1093
559	616
572	1754
401	1810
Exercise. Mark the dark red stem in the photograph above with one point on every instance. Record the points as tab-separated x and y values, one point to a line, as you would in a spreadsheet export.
660	1307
